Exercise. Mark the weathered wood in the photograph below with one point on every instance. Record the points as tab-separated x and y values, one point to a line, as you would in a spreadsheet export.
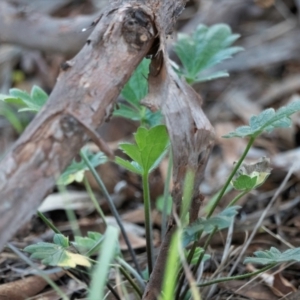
192	138
38	31
87	89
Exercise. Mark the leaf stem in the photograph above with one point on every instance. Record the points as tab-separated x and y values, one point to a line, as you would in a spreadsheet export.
148	222
112	208
131	270
238	197
237	277
94	200
47	222
181	276
236	167
130	280
166	195
196	266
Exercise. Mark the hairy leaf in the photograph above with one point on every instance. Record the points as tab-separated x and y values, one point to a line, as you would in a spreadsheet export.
267	120
92	242
206	47
137	86
274	256
221	221
57	254
133	92
32	102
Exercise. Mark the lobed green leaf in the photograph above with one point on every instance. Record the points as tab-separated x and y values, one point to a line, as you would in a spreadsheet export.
92	242
222	221
151	146
267	120
274	256
206	47
56	254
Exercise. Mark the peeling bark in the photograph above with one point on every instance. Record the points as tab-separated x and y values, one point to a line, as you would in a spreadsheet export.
90	84
192	138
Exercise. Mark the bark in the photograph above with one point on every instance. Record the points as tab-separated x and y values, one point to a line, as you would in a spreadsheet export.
38	31
85	91
192	138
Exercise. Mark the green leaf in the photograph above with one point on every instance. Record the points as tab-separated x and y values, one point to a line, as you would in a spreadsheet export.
197	253
135	90
150	118
206	47
127	112
38	96
11	116
160	204
56	254
76	170
222	221
151	146
100	273
267	120
130	166
132	151
137	86
274	256
92	242
32	102
61	240
250	176
244	182
213	76
172	266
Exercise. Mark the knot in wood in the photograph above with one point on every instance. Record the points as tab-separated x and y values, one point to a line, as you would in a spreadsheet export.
137	28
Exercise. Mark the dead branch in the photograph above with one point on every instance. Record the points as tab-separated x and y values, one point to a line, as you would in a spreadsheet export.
192	138
86	88
38	31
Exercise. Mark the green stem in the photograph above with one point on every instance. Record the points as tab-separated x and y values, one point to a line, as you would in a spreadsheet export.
236	167
223	279
148	223
207	242
238	197
133	284
112	208
47	222
166	195
181	276
195	268
131	270
94	200
69	212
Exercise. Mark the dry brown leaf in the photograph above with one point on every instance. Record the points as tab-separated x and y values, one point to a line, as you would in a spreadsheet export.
26	287
74	200
253	290
277	283
264	3
136	242
138	216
